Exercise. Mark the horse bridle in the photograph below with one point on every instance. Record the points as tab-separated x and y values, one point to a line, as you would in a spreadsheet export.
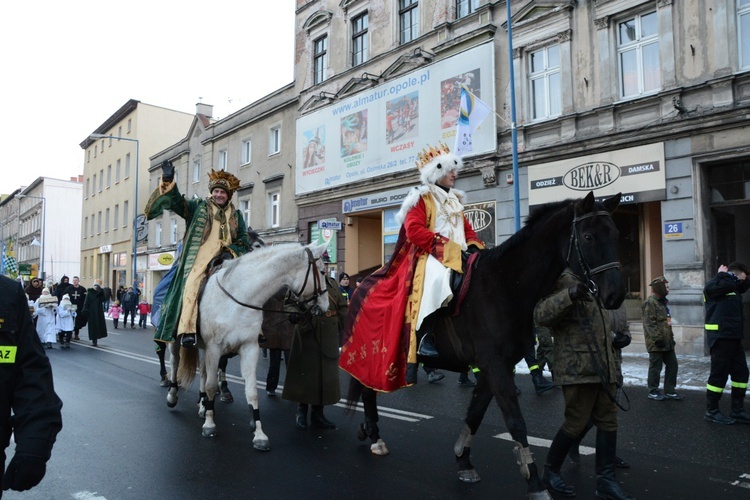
575	242
315	310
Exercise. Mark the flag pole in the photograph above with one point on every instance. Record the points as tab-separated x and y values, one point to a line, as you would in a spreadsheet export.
513	130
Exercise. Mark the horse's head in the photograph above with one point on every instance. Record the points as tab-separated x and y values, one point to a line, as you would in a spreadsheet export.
314	285
593	248
256	241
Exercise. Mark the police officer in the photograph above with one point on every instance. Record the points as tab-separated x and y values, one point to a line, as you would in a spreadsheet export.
27	391
724	330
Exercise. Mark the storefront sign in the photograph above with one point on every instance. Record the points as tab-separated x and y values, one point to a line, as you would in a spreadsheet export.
380	131
372	201
159	261
105	249
637	173
327	236
481	216
329	224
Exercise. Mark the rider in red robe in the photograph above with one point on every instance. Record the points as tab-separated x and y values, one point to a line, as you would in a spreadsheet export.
390	305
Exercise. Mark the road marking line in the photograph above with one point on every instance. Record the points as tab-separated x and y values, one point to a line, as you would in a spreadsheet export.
544	443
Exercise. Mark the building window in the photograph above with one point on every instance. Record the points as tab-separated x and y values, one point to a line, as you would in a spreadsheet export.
465	7
320	59
125	214
743	17
117	217
544	76
196	171
408	20
88	187
119	131
158	234
88	156
274	208
92	225
247	150
109	175
95	148
359	39
222	164
117	170
173	231
130	124
245	209
274	140
85	227
101	180
93	185
127	165
638	55
106	221
99	223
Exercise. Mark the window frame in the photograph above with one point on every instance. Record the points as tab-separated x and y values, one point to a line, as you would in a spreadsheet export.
470	7
637	45
360	38
320	59
544	76
274	208
743	38
274	140
222	160
408	9
246	153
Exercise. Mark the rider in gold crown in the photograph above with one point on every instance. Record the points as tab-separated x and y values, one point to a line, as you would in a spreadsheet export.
400	298
215	231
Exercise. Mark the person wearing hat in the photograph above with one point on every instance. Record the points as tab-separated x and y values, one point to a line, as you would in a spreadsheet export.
657	330
46	311
215	231
93	312
34	288
725	330
402	296
66	320
344	286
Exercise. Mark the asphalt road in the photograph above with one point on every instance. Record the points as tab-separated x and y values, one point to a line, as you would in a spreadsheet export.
120	441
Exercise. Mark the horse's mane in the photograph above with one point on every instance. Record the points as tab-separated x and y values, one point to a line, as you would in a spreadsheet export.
538	218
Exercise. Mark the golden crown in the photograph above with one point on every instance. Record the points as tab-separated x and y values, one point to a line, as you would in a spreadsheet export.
224	180
430	153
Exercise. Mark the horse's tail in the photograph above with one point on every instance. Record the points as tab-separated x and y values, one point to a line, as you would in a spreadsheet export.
188	364
354	394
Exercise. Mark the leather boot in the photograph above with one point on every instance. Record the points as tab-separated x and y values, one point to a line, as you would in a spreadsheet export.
574	453
427	344
712	412
318	419
555	457
606	482
738	413
541	384
301	418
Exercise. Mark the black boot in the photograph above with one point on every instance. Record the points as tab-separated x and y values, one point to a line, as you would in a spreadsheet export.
555	457
738	413
574	454
301	418
712	411
318	419
606	482
541	384
427	344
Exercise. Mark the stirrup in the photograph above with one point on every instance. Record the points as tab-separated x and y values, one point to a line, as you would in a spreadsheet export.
427	347
188	340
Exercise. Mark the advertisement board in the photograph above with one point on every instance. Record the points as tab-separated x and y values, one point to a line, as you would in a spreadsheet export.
380	131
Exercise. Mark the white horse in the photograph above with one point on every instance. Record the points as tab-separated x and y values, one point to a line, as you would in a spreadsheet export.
230	317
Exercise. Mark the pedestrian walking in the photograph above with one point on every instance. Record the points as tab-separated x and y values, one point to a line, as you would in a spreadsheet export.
66	320
129	304
46	312
657	330
114	312
94	314
144	309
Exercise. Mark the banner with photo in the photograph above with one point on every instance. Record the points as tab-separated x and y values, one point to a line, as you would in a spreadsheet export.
380	131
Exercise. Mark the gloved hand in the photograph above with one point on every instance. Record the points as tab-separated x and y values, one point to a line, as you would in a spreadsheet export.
620	340
24	472
295	318
578	291
660	343
472	249
167	171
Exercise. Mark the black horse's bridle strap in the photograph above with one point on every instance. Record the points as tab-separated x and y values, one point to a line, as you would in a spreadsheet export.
575	243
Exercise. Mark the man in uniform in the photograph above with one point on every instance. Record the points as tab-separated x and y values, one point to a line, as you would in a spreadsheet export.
724	331
27	392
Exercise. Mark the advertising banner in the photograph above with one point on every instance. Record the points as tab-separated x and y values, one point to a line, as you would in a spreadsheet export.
380	131
637	173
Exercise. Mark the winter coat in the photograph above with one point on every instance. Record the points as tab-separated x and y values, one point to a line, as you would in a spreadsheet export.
657	324
583	351
94	313
115	312
66	318
723	298
312	375
144	308
129	301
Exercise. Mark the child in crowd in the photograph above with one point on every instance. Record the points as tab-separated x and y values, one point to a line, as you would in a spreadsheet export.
114	312
144	309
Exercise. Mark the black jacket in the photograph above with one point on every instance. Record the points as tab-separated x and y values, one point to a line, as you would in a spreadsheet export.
26	385
723	298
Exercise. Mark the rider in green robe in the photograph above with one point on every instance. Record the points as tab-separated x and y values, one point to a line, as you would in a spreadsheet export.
214	229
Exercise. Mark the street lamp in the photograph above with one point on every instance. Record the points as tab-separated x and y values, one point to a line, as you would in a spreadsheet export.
135	208
43	230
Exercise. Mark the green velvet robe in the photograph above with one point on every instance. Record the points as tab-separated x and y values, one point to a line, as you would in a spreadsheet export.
196	214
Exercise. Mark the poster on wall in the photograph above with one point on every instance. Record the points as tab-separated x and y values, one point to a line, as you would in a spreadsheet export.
381	130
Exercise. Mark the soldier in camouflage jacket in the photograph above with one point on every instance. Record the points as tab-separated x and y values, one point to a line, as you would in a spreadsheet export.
583	356
657	330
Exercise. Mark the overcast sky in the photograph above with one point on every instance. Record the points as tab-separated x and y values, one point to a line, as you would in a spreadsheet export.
68	66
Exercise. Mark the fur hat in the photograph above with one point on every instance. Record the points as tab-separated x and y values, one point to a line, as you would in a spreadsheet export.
224	180
658	285
66	297
434	163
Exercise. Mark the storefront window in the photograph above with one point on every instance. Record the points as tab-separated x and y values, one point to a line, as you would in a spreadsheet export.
390	232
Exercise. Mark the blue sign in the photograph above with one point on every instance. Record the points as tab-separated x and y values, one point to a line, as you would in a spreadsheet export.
673	230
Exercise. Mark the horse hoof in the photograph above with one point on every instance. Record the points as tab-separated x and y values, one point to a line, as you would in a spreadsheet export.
540	495
263	445
208	432
171	403
469	476
379	448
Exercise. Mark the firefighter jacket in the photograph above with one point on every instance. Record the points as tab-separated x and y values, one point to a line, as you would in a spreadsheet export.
583	352
723	300
26	387
657	324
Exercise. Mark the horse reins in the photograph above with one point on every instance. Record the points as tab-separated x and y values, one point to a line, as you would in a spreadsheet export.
575	242
316	281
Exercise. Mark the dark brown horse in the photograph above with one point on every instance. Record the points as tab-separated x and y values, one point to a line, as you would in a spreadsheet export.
493	327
